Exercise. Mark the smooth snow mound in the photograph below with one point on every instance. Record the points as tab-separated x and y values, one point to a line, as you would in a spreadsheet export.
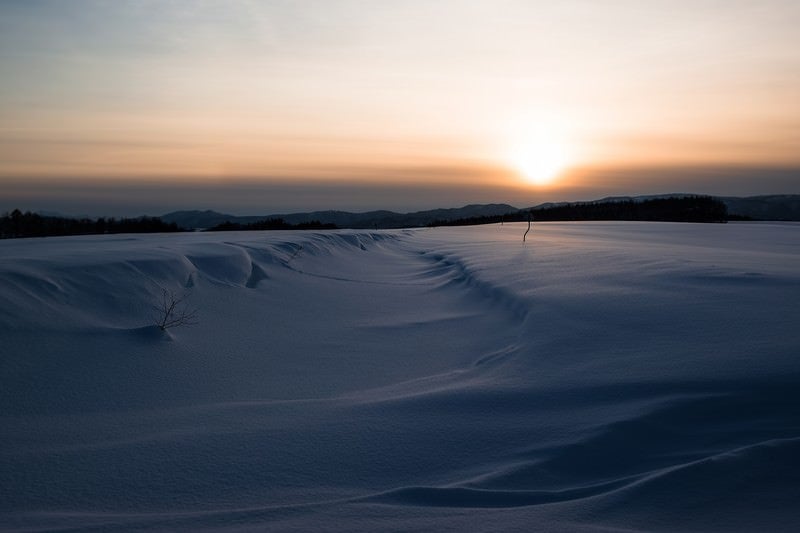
601	376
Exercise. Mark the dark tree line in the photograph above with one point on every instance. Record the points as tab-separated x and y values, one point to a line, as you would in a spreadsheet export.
271	224
682	209
18	224
685	209
476	221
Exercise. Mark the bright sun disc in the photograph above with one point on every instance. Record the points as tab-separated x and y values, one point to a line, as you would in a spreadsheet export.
539	158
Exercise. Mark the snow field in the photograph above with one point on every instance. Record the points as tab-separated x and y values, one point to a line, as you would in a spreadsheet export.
603	375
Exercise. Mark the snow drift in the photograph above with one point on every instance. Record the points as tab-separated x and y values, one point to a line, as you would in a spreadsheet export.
637	376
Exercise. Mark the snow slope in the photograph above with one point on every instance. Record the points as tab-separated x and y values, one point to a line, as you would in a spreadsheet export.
603	376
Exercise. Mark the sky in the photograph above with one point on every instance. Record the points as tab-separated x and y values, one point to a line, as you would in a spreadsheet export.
142	107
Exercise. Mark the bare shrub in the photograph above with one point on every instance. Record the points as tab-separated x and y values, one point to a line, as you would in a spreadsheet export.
172	311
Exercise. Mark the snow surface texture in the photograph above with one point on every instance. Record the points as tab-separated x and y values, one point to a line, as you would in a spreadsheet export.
602	376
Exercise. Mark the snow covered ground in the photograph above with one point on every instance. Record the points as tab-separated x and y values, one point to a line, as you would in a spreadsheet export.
602	376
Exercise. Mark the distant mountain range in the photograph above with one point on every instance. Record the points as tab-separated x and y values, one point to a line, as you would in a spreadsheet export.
772	207
343	219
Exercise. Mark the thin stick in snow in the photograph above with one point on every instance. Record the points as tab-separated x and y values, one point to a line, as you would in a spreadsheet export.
529	227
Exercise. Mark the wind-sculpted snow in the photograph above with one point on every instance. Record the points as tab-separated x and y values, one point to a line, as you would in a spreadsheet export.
601	376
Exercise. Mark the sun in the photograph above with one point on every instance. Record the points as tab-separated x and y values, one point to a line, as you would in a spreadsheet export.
539	157
538	145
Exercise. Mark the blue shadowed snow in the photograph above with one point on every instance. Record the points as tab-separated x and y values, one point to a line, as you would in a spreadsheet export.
602	376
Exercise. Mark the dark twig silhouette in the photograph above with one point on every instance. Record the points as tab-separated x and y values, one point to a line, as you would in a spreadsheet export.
172	311
529	227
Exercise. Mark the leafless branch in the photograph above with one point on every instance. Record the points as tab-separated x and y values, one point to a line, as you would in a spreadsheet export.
173	311
529	227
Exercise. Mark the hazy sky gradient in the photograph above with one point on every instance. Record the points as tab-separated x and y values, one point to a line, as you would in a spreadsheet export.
361	104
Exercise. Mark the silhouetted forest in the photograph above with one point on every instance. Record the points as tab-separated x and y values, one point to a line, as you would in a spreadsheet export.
271	224
677	209
18	224
683	209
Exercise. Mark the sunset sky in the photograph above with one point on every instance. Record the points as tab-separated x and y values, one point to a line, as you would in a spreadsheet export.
251	107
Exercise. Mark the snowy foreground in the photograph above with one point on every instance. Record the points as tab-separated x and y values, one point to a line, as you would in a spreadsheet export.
603	376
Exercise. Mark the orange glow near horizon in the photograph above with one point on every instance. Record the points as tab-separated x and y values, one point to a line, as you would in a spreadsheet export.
517	98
